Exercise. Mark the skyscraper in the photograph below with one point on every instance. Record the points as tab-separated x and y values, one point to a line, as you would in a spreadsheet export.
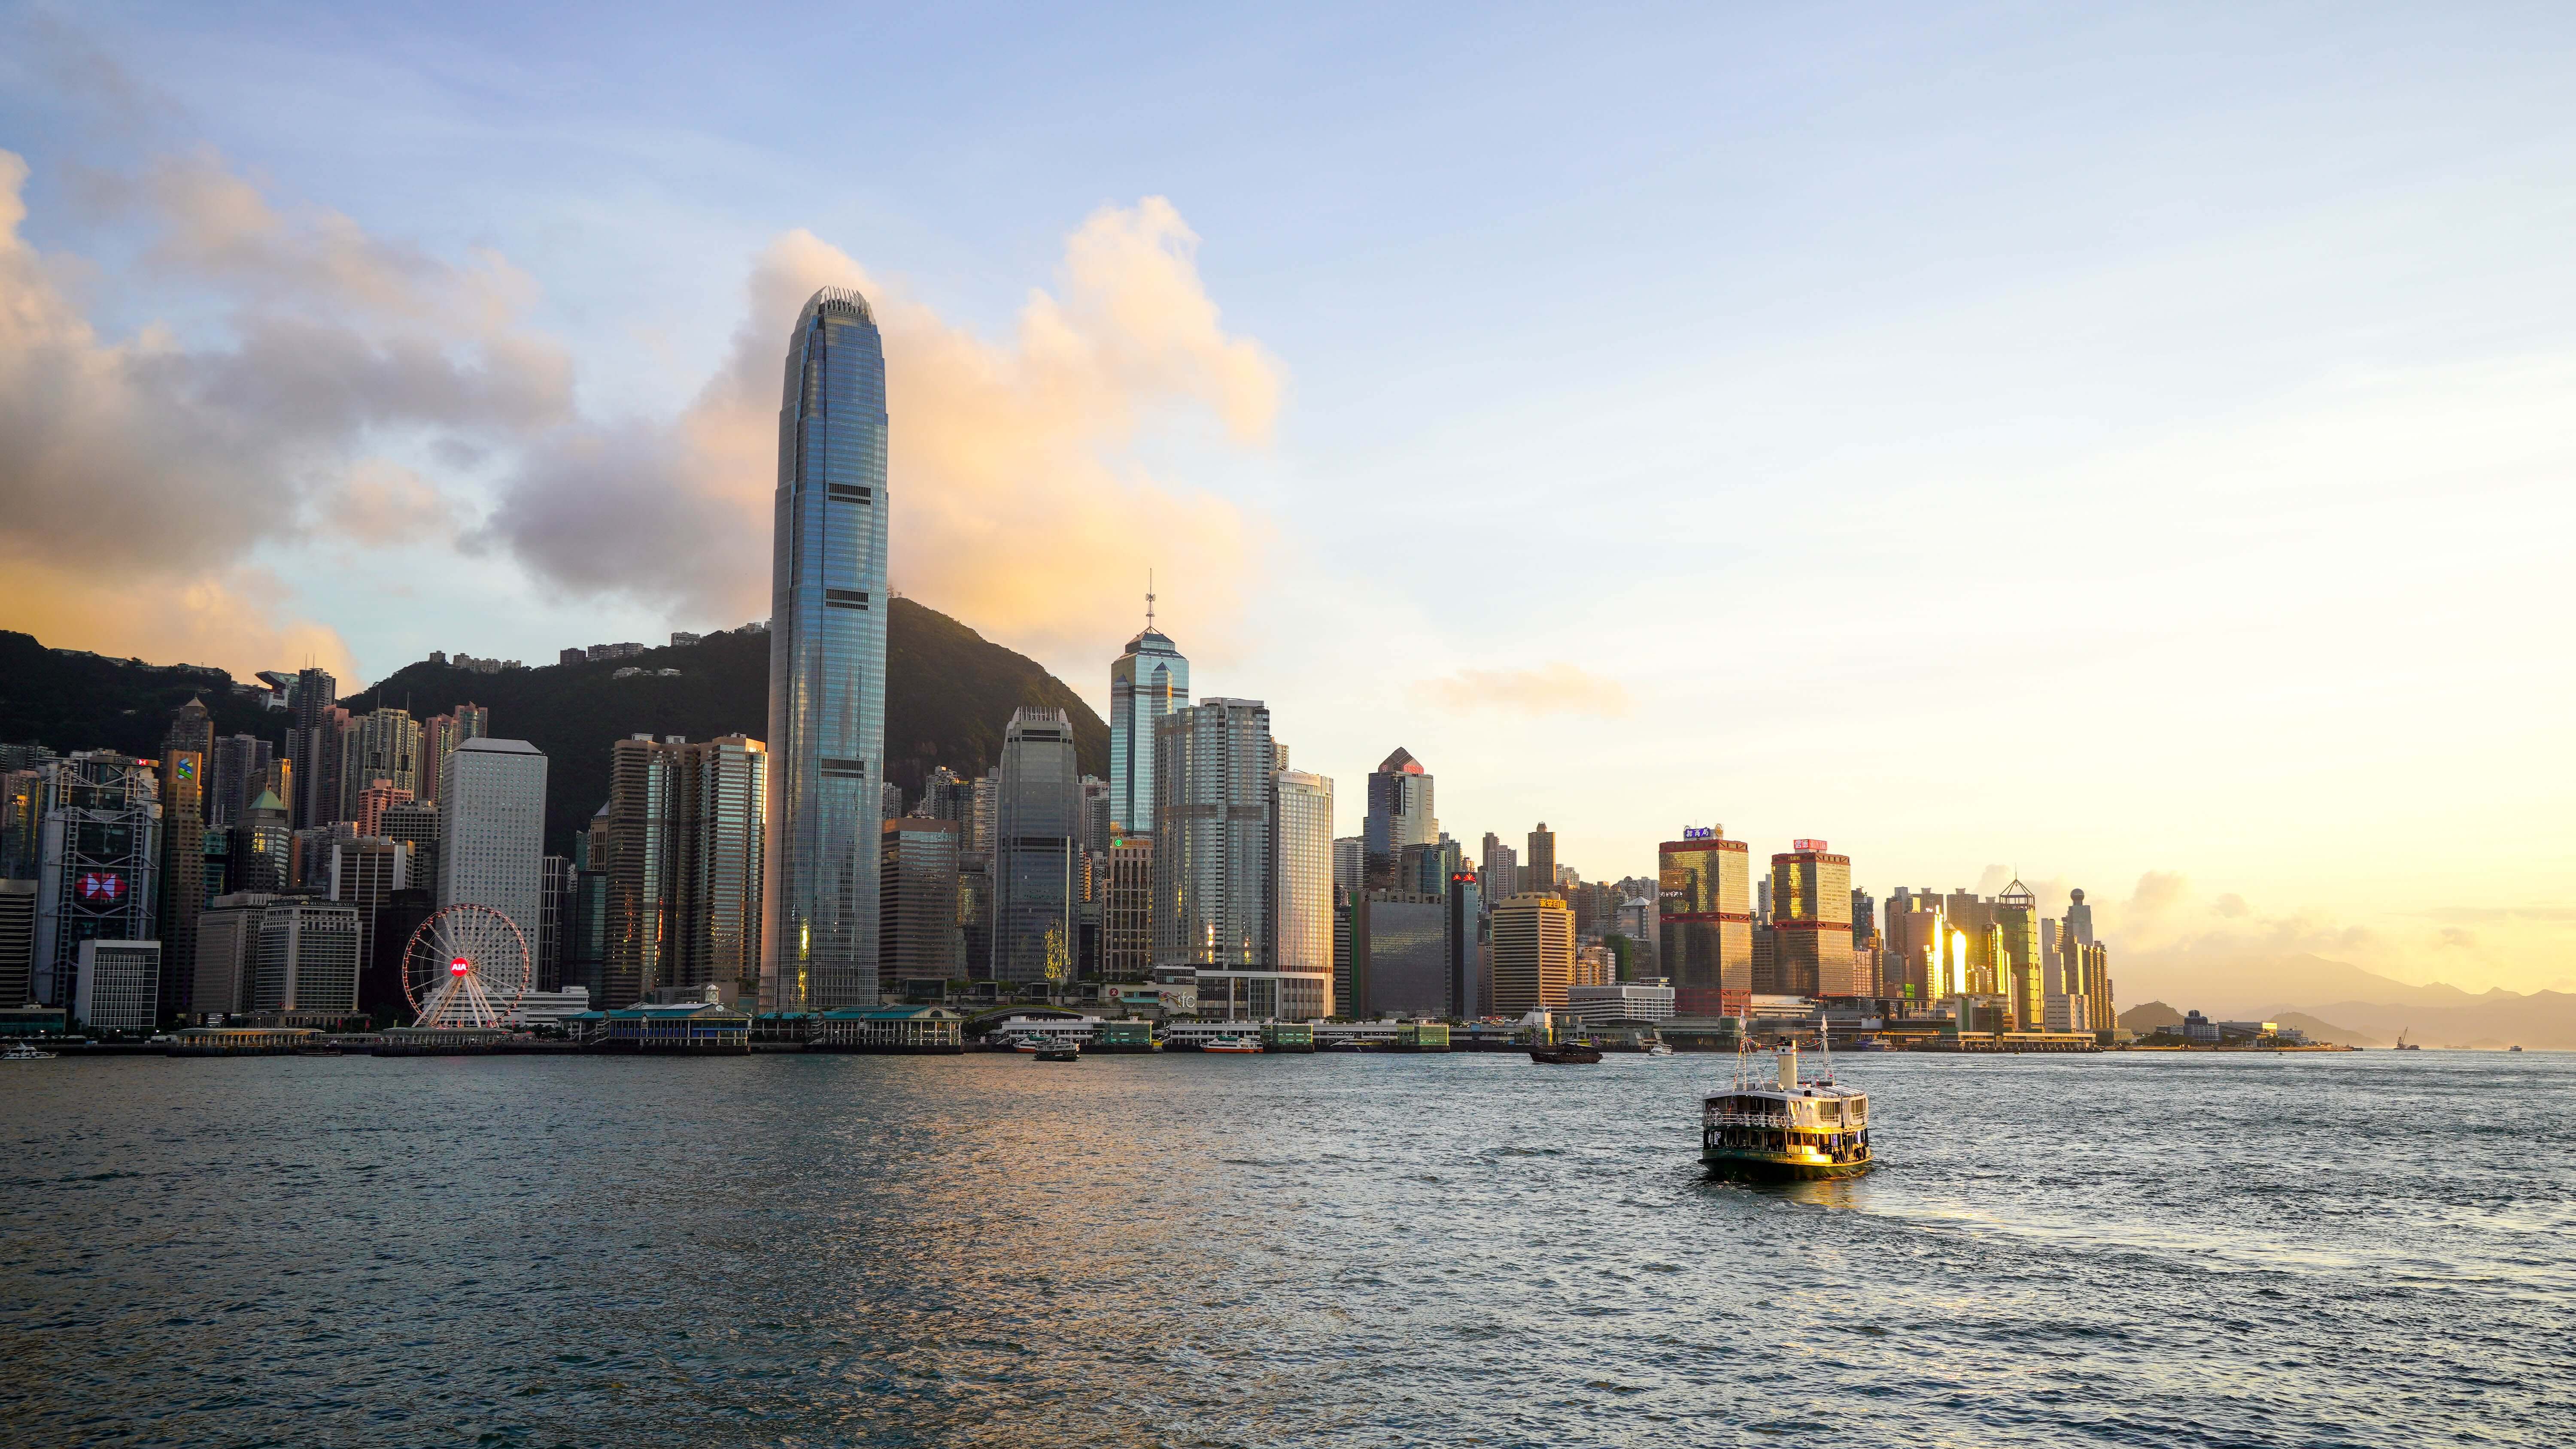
239	763
1540	873
679	843
1127	945
381	745
827	663
1037	876
183	856
1213	771
1533	953
1399	814
1705	921
1349	861
1301	863
492	824
1146	683
1811	920
2079	918
192	731
917	900
1499	869
101	864
313	748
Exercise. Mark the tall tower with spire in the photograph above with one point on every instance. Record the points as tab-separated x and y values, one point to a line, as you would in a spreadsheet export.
1146	683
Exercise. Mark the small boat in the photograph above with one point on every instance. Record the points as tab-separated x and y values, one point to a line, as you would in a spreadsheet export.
2513	1048
2404	1045
1788	1128
1059	1052
1659	1050
1572	1054
26	1052
1230	1044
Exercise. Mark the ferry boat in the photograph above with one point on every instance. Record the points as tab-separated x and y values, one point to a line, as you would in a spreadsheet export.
1572	1054
27	1052
1059	1051
1230	1044
1787	1129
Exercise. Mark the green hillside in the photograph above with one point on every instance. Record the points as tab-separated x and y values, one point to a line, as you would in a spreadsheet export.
85	702
949	694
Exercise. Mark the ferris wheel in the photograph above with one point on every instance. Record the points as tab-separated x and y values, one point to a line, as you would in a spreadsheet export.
466	967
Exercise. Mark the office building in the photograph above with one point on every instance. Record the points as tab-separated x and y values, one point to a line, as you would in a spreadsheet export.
917	901
365	873
380	747
368	813
1399	814
439	737
1401	957
1301	846
1349	862
183	856
313	747
1037	865
1499	868
100	864
492	822
2020	973
1212	800
1097	828
557	886
192	732
679	845
414	822
22	821
235	778
1466	943
947	795
227	946
2079	917
1623	1004
262	857
1533	953
1704	921
1811	929
827	663
1540	873
1127	944
117	984
307	957
17	941
1146	683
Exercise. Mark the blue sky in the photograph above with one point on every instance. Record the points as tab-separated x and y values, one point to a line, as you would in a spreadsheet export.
2129	447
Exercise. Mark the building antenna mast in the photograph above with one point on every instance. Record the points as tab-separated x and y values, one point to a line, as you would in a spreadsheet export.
1149	598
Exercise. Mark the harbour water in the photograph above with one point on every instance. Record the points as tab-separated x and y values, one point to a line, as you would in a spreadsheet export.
1185	1250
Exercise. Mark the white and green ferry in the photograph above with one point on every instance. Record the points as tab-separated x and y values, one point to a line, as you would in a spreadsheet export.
1786	1129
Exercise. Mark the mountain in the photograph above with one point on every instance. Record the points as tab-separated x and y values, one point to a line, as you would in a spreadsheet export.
2365	1007
2145	1019
2325	1031
949	694
71	700
2242	988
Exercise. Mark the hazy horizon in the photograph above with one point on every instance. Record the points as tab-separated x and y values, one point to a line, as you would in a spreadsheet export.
2129	450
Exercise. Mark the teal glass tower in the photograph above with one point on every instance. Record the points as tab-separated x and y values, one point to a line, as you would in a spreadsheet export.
1146	683
827	664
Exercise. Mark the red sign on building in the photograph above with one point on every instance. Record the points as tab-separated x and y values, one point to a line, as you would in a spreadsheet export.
98	888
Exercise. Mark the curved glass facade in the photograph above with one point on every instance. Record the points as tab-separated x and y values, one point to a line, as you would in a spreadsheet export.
1146	683
827	650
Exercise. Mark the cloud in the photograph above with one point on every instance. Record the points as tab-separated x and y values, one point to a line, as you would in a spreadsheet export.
147	469
2231	906
2459	937
1018	503
1557	688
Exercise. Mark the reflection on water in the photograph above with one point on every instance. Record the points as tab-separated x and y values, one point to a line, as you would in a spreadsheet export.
1193	1250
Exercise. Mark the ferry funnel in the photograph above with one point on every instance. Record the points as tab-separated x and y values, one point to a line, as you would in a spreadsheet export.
1789	1066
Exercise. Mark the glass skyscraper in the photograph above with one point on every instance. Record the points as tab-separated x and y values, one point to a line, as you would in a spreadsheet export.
827	664
1148	682
1037	875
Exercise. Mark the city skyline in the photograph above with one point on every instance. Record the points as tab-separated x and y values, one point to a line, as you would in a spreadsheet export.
2067	504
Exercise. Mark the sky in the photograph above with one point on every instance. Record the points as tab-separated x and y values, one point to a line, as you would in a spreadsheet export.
2129	448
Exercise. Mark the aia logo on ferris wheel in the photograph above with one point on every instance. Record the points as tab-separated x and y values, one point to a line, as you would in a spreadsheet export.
100	888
